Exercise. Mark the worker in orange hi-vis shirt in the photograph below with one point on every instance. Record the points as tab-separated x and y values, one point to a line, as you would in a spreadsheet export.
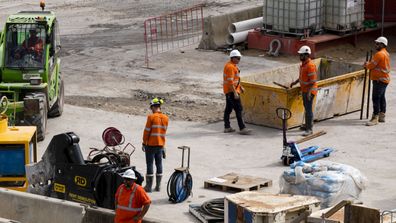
154	143
131	201
33	45
379	68
232	90
309	88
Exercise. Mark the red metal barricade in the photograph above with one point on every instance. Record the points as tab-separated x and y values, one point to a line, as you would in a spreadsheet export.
173	30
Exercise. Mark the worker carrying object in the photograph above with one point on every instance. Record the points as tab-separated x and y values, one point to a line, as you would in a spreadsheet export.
232	90
131	201
309	87
379	68
154	143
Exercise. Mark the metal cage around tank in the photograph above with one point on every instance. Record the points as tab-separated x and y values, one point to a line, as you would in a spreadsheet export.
293	16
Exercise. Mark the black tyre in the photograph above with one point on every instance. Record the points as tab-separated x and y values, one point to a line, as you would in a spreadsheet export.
57	108
39	119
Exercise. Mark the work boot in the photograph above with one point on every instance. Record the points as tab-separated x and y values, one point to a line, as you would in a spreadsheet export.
373	121
381	117
307	132
245	131
158	179
149	183
303	128
228	130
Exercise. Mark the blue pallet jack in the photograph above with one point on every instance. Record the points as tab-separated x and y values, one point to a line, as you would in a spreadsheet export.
291	152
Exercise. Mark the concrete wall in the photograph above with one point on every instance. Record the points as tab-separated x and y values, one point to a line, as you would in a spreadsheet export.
216	27
30	208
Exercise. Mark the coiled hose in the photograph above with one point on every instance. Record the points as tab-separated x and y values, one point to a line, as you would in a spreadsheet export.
179	186
214	207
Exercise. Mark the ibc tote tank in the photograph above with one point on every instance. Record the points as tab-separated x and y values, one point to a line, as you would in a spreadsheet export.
344	15
293	16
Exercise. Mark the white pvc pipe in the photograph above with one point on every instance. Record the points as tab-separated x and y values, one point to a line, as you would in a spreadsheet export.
238	37
245	25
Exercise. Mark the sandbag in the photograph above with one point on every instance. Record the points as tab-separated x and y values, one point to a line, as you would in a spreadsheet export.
329	181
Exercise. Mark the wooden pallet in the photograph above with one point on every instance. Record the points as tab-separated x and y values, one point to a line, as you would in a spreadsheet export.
237	182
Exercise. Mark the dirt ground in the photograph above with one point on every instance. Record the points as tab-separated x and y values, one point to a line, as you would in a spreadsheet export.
103	68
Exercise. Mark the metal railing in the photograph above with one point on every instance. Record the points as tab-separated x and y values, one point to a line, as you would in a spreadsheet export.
174	30
388	216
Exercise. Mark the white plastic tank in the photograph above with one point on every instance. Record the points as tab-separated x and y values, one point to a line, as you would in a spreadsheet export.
344	15
293	16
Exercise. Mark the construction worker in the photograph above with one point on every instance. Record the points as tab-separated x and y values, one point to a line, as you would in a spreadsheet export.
131	201
154	142
33	45
232	90
379	68
309	87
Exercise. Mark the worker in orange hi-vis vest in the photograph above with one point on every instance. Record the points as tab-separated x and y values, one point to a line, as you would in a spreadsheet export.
379	68
131	201
232	90
309	88
154	143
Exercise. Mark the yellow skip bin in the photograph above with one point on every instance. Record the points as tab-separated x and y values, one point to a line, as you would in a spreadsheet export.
340	91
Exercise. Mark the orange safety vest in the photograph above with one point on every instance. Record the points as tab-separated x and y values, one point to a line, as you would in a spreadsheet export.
380	66
130	203
36	43
308	77
155	131
231	77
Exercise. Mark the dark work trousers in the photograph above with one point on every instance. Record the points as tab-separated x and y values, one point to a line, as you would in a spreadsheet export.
154	153
379	101
308	110
233	104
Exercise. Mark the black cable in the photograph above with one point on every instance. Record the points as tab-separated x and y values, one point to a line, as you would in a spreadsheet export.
214	207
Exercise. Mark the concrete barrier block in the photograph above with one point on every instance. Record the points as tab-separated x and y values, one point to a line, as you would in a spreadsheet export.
31	208
4	220
24	207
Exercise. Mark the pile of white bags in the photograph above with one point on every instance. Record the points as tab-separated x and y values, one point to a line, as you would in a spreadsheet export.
329	181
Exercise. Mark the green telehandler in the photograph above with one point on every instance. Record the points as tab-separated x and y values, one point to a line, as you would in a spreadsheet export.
30	74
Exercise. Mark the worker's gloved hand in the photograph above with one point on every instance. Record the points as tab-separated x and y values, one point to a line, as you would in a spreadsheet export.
164	153
136	218
143	148
236	96
242	89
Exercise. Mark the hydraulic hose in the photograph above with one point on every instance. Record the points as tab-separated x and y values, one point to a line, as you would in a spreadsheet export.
214	207
179	186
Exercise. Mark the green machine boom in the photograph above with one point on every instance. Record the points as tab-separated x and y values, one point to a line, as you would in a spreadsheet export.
30	74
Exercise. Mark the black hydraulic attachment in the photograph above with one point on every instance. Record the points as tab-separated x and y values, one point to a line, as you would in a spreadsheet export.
63	173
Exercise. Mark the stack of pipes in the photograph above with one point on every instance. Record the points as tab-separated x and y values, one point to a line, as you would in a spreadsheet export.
238	31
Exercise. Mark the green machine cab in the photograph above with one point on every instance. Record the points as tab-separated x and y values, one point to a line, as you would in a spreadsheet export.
30	74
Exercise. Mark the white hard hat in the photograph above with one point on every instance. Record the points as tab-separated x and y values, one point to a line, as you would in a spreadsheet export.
235	53
130	174
304	49
383	40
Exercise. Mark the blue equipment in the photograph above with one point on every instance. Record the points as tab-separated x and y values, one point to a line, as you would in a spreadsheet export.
291	153
180	183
